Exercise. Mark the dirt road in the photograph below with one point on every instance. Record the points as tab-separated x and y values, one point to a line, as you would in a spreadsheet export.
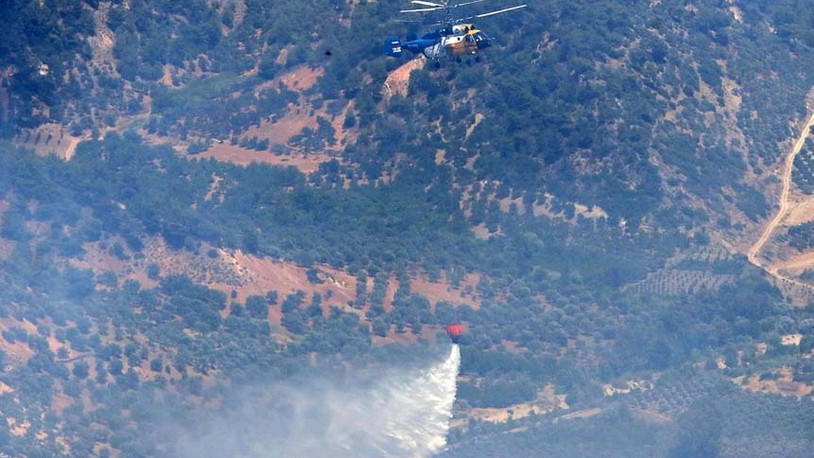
71	150
754	251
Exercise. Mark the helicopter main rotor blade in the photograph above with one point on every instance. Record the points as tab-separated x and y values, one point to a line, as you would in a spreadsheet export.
421	10
456	5
421	2
492	13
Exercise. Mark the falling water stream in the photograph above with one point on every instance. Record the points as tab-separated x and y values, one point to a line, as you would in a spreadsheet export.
399	412
422	407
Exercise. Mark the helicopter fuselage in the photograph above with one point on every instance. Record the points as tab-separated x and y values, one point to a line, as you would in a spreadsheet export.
454	41
465	44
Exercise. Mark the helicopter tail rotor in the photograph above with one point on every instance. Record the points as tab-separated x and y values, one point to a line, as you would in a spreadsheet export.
392	47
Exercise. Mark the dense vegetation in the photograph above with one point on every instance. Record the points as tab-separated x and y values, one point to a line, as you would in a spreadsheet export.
803	173
653	113
620	333
802	236
712	418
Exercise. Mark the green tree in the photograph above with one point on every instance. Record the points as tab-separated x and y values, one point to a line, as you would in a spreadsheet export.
81	370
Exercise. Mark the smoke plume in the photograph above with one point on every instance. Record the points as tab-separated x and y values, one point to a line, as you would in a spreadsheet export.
389	413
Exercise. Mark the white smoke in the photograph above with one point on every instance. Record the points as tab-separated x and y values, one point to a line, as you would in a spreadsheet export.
394	413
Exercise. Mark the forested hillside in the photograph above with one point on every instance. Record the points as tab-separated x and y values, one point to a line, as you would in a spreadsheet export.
195	196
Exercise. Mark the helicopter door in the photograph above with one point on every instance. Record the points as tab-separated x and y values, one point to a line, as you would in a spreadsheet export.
433	52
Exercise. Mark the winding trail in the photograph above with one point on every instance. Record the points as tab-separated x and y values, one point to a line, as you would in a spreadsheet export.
754	251
71	150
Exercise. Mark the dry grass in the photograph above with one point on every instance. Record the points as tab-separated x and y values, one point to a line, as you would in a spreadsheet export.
545	209
17	353
16	428
784	384
251	275
306	163
546	401
282	130
49	139
801	212
442	290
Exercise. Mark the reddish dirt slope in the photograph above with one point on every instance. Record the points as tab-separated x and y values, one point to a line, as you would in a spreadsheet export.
248	275
399	79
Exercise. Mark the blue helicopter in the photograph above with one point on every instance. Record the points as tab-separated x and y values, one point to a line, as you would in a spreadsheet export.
454	40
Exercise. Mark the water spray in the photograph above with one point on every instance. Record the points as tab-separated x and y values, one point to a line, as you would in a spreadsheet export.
393	413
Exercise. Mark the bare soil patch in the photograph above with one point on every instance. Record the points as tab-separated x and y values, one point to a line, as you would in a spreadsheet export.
783	384
442	290
302	78
213	188
392	286
512	346
791	339
801	212
247	275
482	232
298	79
797	263
471	128
282	130
546	209
16	428
49	139
398	80
17	353
166	78
306	163
546	401
61	401
99	261
261	275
